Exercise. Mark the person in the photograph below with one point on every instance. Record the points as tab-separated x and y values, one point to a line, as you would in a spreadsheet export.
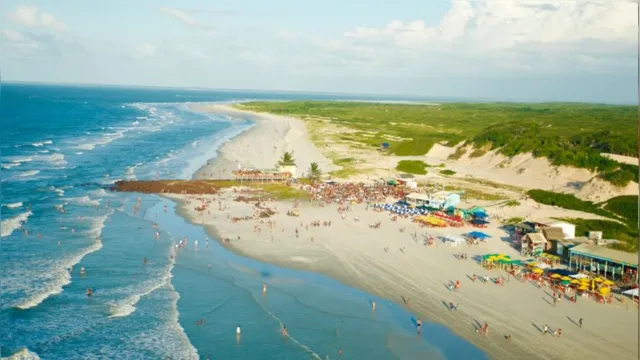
144	260
419	326
82	270
545	330
339	351
238	331
89	293
373	305
284	331
509	338
264	288
580	323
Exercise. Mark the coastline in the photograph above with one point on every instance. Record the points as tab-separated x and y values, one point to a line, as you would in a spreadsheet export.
352	254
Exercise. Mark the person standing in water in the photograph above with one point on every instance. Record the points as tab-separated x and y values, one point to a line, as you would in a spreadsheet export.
264	289
419	326
284	331
89	293
373	305
238	331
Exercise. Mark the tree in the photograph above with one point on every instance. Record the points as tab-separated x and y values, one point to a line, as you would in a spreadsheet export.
314	171
287	159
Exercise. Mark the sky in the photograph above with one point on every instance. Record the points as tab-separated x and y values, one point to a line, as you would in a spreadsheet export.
551	50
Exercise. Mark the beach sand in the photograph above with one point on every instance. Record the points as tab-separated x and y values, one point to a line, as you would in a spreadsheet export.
353	253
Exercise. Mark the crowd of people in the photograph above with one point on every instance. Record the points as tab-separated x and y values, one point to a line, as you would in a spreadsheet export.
350	192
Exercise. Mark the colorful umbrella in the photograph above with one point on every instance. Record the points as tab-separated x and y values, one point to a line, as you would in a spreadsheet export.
566	278
538	271
604	291
583	287
574	281
565	282
556	276
609	282
598	279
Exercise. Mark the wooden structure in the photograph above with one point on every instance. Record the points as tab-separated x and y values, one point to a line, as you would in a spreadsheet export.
604	261
533	244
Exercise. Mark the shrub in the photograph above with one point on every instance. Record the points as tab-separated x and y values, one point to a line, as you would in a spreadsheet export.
412	167
512	203
447	172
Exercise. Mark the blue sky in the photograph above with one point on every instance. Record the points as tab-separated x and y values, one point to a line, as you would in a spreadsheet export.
562	50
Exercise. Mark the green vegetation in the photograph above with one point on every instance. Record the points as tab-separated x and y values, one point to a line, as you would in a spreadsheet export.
458	153
610	230
565	133
344	161
472	193
287	159
412	167
478	152
314	171
447	172
513	220
567	201
512	203
625	206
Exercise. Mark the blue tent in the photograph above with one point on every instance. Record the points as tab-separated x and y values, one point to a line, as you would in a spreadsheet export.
480	215
478	235
479	221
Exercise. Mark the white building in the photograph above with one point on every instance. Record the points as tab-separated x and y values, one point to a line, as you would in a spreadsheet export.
569	230
291	169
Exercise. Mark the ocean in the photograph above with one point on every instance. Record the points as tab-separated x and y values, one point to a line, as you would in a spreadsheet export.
63	231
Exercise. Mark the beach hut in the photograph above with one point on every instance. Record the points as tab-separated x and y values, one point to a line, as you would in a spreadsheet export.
533	244
605	261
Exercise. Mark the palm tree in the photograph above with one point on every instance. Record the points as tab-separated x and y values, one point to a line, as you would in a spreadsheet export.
314	171
287	159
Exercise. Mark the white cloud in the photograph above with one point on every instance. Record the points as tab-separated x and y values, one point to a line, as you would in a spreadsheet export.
147	50
187	19
12	36
31	16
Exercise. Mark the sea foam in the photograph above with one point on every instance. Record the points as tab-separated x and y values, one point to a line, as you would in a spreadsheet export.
15	223
61	275
84	200
23	354
13	205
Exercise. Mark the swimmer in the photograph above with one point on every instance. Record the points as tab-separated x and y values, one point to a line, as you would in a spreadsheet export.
284	331
89	293
82	271
144	260
419	326
206	243
58	243
238	331
373	305
209	267
264	288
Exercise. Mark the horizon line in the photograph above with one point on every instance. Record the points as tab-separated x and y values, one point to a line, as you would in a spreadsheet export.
405	97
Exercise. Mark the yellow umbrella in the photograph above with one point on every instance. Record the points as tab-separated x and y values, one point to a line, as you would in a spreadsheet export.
533	264
583	287
604	291
566	278
574	281
597	279
609	282
555	276
538	271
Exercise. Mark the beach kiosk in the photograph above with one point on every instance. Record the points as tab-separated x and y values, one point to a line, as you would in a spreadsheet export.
533	244
609	263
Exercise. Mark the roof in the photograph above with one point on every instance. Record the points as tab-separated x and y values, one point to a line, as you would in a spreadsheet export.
603	253
560	223
418	196
536	238
525	225
553	233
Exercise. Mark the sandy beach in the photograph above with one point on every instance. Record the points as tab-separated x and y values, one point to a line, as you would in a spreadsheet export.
394	262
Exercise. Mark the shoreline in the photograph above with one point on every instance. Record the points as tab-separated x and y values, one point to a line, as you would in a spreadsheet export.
418	275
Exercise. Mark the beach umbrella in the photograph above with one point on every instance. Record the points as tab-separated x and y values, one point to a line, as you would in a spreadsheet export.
604	290
565	282
532	264
609	282
538	271
583	288
566	278
556	276
598	279
574	281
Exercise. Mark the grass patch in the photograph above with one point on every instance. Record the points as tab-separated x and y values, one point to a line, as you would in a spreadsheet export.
447	172
281	191
416	167
625	206
471	193
566	133
458	153
512	203
476	153
513	220
344	161
567	201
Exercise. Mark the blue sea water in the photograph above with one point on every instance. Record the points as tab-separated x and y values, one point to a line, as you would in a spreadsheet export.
62	147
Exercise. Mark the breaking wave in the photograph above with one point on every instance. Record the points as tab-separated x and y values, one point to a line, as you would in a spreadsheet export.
15	223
